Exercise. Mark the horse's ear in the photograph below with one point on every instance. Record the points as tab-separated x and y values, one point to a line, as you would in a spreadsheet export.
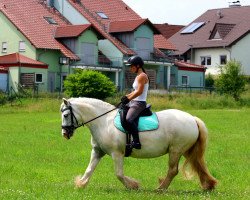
65	101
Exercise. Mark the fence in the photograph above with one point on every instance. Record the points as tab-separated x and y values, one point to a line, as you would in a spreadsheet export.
189	89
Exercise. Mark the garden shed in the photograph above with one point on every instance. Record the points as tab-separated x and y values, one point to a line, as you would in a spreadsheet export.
21	70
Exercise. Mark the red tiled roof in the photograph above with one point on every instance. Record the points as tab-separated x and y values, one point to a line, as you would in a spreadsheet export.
16	58
168	30
70	30
128	25
161	42
189	66
115	10
28	17
237	16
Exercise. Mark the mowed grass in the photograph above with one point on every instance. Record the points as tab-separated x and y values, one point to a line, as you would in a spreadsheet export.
36	162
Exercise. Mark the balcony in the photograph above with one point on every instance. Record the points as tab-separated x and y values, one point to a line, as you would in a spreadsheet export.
99	62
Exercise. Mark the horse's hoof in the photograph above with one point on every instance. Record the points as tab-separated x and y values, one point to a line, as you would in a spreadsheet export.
79	183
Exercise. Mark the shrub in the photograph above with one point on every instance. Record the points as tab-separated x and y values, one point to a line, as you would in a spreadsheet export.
231	81
209	81
89	83
3	98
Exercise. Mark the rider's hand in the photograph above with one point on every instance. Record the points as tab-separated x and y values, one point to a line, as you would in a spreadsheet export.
124	100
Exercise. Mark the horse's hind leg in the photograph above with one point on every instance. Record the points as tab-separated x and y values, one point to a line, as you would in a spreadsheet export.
96	156
172	170
127	181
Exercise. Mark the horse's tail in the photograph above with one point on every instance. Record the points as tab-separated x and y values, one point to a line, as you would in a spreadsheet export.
195	157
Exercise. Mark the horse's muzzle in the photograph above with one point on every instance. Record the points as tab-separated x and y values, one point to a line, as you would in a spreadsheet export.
67	132
66	136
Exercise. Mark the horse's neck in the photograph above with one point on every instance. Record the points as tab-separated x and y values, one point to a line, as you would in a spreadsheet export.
91	108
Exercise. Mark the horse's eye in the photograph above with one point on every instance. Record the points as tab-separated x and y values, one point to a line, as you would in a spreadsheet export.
66	115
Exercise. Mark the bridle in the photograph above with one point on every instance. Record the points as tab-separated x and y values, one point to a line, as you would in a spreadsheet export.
70	128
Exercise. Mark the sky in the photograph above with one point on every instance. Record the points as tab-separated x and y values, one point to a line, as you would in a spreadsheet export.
178	12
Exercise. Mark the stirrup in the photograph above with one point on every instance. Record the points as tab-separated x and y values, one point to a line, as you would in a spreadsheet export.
128	150
136	145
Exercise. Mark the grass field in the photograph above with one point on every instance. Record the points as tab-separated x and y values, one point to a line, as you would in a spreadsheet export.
36	162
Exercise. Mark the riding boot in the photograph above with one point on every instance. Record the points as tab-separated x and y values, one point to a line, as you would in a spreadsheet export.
136	141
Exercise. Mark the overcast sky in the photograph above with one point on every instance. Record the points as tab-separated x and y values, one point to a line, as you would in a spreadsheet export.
180	12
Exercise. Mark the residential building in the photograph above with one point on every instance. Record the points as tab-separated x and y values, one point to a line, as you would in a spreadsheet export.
58	36
214	38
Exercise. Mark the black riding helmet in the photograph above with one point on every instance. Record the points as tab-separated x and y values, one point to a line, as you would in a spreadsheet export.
135	60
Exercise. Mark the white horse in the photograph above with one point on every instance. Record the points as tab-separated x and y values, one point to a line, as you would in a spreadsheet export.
179	133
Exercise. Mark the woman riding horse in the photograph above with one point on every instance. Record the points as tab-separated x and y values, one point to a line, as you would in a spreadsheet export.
136	100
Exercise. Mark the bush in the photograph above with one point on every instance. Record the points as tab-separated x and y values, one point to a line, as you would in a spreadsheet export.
209	81
3	98
231	81
89	83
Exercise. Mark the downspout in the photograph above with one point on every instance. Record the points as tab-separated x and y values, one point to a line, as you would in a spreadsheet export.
8	79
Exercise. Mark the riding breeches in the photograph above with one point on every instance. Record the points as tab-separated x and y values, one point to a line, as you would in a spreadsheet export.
132	117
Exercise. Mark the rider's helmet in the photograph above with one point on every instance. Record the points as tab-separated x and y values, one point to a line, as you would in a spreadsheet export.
135	60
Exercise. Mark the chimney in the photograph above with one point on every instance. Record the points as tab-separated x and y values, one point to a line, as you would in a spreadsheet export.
234	4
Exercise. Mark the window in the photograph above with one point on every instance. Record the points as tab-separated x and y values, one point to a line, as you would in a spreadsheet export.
38	78
22	46
50	20
4	47
192	27
185	80
206	60
102	15
223	59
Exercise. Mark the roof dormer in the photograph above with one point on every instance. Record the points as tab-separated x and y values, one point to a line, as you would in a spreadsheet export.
220	31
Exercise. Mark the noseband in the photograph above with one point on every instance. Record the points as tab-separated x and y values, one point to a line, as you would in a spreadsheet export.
71	127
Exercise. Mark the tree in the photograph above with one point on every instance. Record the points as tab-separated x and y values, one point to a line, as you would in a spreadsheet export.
89	83
231	81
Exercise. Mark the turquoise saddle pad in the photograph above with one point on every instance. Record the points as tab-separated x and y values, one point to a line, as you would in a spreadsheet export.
146	123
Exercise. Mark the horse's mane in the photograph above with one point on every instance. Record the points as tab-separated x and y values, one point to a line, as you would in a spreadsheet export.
92	101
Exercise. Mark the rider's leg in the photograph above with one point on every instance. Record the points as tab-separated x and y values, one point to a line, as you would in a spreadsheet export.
136	107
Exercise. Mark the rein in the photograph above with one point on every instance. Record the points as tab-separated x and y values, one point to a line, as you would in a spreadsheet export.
79	125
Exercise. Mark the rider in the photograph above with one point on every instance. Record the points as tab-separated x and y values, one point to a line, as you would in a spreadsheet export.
136	100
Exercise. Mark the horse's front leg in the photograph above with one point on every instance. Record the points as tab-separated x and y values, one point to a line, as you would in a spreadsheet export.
96	156
127	181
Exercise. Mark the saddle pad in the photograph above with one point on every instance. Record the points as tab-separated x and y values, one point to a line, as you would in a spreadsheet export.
146	123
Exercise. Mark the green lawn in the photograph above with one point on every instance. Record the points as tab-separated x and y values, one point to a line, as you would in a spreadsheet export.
36	162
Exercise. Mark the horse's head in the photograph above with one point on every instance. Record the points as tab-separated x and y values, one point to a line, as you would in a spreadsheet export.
69	120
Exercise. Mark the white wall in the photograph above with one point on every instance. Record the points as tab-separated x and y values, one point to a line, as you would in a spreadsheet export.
215	54
241	52
70	13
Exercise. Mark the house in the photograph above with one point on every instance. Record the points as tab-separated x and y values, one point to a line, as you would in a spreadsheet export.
63	35
27	29
217	36
125	32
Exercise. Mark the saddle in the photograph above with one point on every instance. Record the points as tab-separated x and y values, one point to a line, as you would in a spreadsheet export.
147	120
